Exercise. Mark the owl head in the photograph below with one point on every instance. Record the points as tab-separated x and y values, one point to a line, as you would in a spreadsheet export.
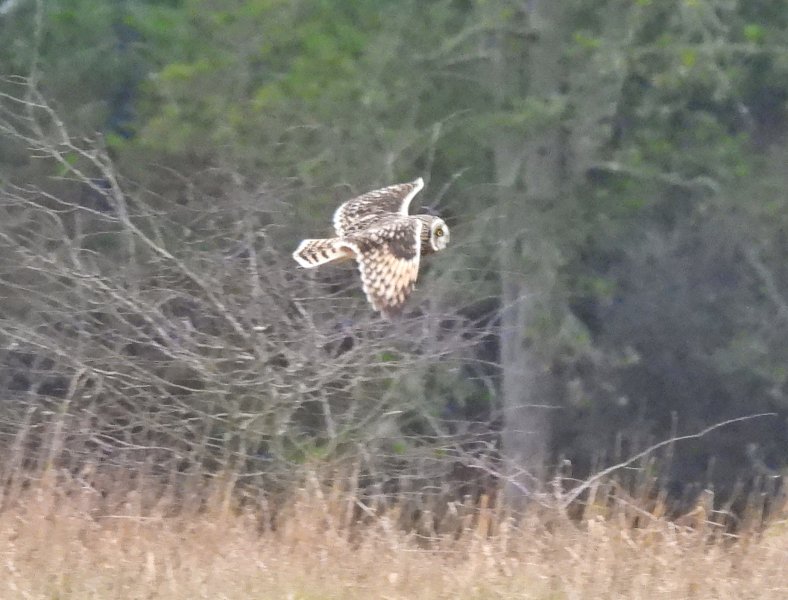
439	234
434	234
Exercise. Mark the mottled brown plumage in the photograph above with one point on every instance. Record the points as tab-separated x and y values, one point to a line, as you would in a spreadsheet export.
388	243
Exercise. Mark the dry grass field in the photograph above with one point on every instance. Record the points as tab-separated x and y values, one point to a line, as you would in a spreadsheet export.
67	540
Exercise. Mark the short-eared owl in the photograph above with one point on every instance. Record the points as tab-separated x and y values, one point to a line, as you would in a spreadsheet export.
385	240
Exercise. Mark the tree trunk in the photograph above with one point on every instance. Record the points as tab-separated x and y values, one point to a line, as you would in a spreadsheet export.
529	174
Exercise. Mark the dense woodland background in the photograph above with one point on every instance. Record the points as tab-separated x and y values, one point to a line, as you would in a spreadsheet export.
614	172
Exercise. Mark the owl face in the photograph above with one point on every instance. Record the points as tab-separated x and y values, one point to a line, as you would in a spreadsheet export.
439	234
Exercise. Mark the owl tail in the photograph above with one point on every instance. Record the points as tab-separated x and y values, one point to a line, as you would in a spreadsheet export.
313	253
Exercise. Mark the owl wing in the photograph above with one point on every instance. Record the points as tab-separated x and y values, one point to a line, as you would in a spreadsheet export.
388	259
364	211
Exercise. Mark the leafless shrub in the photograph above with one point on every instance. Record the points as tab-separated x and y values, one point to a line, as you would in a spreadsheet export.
175	331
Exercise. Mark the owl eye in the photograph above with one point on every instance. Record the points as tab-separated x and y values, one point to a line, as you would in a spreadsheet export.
439	232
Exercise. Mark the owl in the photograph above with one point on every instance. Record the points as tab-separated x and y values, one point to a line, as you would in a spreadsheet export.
376	230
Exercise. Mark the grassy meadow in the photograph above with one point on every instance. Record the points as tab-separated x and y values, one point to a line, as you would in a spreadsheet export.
85	538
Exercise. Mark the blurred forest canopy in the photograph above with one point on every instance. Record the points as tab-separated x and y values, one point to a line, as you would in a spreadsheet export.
613	171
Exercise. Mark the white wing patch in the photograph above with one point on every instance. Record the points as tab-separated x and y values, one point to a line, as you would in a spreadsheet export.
418	185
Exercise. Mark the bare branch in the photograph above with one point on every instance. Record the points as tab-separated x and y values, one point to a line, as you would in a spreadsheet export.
575	493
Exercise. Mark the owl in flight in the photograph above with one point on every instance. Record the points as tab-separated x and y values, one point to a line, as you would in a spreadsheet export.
376	230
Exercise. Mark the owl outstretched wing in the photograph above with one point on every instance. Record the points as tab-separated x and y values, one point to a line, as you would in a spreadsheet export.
388	259
364	211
